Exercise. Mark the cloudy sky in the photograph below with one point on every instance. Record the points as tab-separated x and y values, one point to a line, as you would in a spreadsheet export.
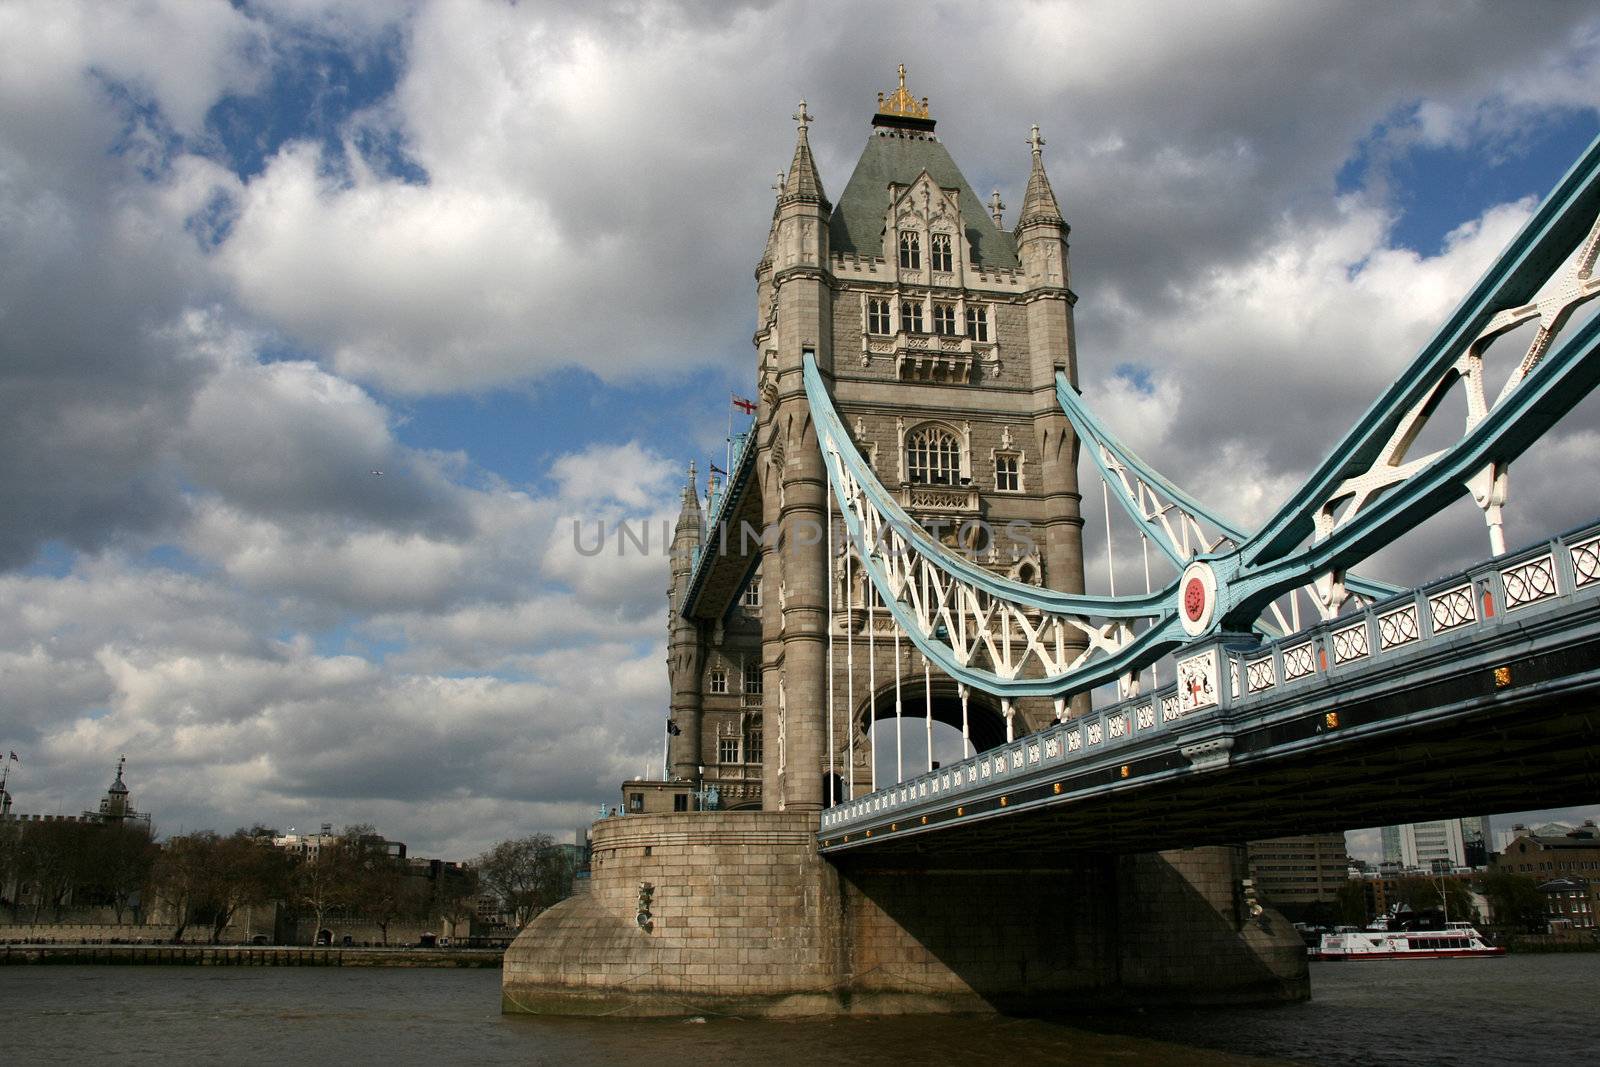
251	253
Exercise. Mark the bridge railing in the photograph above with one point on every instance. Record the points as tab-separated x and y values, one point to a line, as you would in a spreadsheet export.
1495	592
716	515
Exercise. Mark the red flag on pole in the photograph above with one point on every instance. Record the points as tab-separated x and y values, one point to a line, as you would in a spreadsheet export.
746	406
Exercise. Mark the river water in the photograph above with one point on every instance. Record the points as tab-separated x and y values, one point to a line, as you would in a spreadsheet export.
1514	1010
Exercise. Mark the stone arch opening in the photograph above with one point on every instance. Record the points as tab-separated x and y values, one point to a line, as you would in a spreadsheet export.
876	735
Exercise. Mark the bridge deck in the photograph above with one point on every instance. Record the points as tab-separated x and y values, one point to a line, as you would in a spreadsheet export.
1473	693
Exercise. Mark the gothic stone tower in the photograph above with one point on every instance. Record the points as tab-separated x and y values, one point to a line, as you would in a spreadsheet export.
940	334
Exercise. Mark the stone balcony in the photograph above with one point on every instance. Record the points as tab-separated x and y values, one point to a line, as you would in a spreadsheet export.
929	357
943	499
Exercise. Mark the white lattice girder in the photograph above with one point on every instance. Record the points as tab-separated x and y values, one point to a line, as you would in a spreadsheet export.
1392	466
982	631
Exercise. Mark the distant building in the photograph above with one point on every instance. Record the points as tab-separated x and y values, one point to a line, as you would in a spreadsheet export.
642	796
1477	841
1429	845
116	807
1569	904
1392	885
1564	864
1293	872
307	846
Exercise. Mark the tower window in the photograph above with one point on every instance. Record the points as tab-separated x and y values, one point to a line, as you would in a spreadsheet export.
978	323
878	317
719	680
728	750
944	318
752	677
910	251
1007	473
752	593
942	257
911	316
932	456
752	747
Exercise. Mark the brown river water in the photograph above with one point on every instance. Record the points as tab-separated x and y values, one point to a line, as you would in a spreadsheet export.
1513	1010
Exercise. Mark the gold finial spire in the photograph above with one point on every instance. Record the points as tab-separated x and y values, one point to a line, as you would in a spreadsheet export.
901	102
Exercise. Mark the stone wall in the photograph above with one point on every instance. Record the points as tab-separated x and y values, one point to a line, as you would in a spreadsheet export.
1185	936
1159	928
41	933
745	917
742	918
1009	939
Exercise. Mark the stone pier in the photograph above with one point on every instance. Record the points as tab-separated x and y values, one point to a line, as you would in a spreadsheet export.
743	917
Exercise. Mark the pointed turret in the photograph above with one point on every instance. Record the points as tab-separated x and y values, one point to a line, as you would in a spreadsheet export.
115	804
683	645
802	183
802	208
1039	202
1041	233
685	539
1041	237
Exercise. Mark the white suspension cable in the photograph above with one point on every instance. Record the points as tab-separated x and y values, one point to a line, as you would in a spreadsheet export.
832	737
966	737
1144	546
868	590
899	743
1111	565
927	693
850	665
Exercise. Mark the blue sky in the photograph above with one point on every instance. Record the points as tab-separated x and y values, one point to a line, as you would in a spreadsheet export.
503	254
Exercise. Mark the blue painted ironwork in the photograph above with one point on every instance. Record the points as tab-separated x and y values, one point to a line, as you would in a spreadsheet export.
1530	592
1362	497
740	471
900	536
1103	442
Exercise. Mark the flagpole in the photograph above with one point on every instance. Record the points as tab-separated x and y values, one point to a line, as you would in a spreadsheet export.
727	451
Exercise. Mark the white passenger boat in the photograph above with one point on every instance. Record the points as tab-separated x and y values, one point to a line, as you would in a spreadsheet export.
1456	939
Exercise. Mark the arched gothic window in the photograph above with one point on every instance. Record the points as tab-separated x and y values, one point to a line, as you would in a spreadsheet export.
910	250
933	456
942	258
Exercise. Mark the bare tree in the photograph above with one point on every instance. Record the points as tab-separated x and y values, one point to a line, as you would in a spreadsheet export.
245	870
319	883
11	861
52	862
124	856
528	874
184	878
455	893
379	886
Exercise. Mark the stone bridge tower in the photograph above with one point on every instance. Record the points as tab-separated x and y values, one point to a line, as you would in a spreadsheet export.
940	333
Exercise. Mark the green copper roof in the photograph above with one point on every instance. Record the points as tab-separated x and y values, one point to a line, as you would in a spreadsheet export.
899	156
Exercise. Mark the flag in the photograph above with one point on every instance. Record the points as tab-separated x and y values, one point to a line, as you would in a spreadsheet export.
746	406
718	470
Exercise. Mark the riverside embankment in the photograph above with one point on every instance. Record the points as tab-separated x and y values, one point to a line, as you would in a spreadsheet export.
248	956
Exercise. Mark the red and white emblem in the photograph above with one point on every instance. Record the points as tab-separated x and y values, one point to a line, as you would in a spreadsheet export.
1197	598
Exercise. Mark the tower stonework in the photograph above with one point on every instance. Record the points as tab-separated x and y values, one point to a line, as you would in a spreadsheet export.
939	335
684	652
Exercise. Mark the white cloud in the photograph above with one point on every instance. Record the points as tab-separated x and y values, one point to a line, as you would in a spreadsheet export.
426	649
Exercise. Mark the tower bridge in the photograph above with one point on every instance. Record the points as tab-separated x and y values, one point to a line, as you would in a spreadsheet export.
917	376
